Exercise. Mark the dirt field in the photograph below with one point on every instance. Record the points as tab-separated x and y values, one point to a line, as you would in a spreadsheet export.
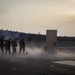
33	63
24	66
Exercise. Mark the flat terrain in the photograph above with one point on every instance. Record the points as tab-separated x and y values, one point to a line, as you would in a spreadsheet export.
13	65
33	63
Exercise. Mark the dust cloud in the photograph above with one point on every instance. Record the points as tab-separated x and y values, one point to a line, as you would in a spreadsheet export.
39	53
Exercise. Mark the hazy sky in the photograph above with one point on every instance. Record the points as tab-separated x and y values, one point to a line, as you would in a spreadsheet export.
38	15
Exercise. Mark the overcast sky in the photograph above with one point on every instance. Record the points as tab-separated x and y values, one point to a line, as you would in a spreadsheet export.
38	15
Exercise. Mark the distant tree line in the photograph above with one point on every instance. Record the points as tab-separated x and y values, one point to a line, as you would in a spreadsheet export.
33	37
66	39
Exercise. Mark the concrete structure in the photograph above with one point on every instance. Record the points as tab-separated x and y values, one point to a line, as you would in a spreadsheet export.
63	67
51	39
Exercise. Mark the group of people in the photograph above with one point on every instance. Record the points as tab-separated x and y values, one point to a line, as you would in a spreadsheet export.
11	44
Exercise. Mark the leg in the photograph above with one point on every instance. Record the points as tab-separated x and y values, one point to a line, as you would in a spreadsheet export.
9	49
15	50
23	49
2	50
6	50
20	49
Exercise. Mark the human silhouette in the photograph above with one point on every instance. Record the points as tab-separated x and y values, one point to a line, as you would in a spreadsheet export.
54	44
14	45
7	45
22	45
45	48
2	44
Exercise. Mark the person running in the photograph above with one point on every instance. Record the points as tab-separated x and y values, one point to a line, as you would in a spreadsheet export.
7	45
2	44
22	45
14	45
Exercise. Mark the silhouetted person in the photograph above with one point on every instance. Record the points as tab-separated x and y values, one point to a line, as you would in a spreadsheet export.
7	45
45	48
22	45
2	44
14	45
54	44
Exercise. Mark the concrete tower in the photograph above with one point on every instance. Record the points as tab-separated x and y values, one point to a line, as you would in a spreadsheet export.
51	39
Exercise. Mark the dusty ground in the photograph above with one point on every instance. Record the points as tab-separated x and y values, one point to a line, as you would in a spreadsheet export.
30	64
24	66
